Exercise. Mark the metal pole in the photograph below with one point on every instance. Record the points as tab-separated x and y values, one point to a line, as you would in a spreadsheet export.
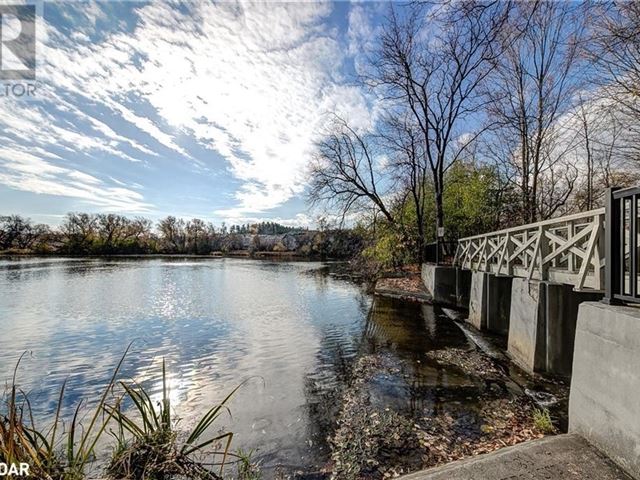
611	248
439	243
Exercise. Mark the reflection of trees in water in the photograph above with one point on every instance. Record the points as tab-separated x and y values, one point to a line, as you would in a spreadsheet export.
339	345
337	273
30	271
407	331
402	332
411	329
325	386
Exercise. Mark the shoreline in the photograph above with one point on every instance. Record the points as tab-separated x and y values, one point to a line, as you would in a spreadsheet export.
214	255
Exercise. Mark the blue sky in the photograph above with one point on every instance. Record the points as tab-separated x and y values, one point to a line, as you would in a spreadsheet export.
192	109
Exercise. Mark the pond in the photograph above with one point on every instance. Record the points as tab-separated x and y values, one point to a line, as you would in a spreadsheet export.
293	329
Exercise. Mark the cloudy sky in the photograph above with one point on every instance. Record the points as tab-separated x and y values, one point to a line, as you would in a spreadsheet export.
192	109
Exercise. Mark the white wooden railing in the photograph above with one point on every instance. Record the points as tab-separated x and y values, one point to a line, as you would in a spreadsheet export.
568	250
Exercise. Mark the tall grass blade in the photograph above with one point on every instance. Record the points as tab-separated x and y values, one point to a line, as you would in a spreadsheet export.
85	452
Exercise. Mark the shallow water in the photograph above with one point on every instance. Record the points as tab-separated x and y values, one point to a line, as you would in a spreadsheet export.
291	328
217	322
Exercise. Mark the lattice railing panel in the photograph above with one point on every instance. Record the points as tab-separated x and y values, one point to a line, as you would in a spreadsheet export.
569	250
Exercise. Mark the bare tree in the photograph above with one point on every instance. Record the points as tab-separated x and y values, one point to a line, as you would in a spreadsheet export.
20	232
172	234
12	228
113	229
196	236
531	88
617	54
140	229
80	230
585	133
402	139
344	173
602	144
429	66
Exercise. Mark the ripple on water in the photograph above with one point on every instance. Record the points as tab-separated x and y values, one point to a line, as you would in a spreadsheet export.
292	333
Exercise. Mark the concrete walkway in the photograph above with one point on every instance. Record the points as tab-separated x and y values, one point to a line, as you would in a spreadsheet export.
552	458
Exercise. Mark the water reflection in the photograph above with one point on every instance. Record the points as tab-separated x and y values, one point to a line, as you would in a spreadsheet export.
408	331
217	322
291	327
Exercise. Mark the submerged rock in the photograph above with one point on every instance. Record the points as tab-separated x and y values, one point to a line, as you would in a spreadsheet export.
543	399
440	423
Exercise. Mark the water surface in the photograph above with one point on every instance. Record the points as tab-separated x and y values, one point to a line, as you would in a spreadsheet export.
291	328
288	327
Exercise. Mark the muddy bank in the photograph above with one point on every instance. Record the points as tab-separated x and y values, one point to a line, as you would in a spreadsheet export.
406	409
417	393
409	288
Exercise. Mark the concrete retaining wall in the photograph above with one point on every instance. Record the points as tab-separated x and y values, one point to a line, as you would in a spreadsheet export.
478	300
448	286
542	325
604	404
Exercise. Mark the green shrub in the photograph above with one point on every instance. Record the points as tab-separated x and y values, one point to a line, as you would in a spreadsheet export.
542	420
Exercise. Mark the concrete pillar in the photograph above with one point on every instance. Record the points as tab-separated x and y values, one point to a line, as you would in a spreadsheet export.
478	300
562	315
527	324
490	302
441	283
542	325
463	288
428	275
498	303
448	286
604	403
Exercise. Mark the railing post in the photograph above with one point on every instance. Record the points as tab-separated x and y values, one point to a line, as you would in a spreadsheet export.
599	261
571	231
543	251
611	249
509	252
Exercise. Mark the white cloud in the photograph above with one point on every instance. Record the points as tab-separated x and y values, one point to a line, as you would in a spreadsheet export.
362	33
23	171
254	87
249	81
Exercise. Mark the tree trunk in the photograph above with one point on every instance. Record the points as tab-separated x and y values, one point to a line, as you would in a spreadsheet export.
421	247
439	222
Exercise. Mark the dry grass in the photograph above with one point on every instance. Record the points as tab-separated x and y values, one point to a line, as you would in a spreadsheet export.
63	451
147	446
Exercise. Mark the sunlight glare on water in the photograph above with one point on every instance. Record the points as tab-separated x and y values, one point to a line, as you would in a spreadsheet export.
286	328
289	330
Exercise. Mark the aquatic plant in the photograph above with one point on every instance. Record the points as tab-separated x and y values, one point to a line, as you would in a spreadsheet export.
148	444
62	451
542	420
246	467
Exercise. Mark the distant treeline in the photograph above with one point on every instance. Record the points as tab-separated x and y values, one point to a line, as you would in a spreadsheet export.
111	234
